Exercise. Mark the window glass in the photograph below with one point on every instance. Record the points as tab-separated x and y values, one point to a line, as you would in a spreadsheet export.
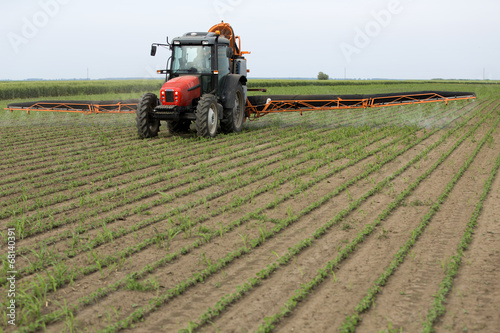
223	61
192	59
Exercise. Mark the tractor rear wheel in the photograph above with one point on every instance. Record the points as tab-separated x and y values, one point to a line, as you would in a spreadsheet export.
234	117
178	127
147	126
207	119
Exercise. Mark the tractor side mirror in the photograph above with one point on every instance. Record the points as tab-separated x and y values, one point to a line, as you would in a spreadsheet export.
153	50
229	51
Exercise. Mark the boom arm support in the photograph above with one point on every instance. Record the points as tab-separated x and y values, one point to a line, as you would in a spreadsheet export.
259	106
87	107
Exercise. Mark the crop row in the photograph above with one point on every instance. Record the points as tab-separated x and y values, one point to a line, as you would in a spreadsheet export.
352	320
83	230
124	162
59	270
188	180
122	232
33	175
115	152
225	301
65	274
153	162
438	306
102	160
253	215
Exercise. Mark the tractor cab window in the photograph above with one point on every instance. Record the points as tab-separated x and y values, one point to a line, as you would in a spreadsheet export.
192	59
223	62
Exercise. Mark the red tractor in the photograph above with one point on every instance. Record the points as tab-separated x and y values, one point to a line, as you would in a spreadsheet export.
205	83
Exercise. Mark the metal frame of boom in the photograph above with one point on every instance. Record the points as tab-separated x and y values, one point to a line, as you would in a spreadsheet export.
278	106
85	108
258	111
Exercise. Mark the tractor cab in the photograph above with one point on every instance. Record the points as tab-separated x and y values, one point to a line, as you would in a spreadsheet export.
205	55
205	82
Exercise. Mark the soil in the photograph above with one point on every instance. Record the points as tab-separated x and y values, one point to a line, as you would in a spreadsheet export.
237	205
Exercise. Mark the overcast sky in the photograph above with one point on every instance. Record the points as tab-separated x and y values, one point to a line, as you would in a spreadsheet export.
395	39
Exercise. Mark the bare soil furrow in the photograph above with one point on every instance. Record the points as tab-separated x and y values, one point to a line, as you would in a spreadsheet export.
181	233
408	295
474	300
238	240
365	258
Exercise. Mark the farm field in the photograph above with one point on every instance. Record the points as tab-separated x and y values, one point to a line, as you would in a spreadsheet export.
368	220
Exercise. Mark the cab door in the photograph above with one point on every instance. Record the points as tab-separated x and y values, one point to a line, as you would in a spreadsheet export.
223	65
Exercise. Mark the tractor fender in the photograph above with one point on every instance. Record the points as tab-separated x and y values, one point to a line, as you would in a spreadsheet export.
229	91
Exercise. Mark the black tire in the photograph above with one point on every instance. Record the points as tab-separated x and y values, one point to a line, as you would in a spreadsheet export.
207	116
178	127
147	127
234	117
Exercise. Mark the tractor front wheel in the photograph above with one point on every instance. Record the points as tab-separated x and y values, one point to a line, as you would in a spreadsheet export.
207	117
147	126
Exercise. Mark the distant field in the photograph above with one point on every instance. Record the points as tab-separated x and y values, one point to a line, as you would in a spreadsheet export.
17	91
374	220
33	89
10	90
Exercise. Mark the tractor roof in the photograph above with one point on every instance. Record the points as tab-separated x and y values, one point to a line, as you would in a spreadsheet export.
197	38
